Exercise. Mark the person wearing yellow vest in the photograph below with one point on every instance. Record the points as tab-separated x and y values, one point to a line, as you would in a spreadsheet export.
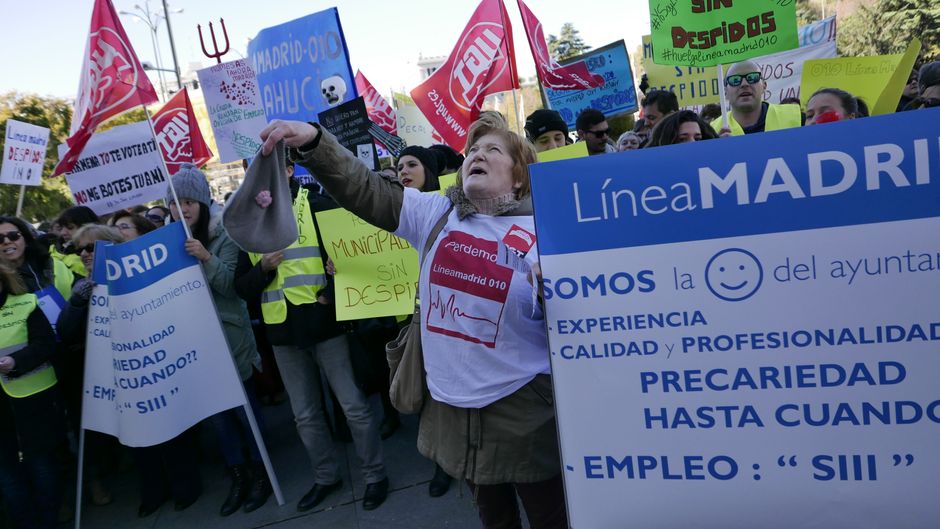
30	480
69	222
745	87
296	305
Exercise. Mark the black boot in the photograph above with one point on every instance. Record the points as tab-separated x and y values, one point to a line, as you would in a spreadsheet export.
260	489
238	491
440	483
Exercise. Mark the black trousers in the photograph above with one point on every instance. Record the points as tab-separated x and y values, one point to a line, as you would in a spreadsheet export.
543	501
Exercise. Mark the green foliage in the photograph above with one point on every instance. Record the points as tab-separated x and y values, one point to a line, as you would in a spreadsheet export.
568	44
808	11
887	27
45	201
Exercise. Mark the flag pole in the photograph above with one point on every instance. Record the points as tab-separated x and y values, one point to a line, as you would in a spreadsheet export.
19	201
166	171
512	62
78	489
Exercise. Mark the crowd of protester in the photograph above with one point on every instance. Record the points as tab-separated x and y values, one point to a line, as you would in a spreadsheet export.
488	420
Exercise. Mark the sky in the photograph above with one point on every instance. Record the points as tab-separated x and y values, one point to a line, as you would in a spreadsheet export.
44	46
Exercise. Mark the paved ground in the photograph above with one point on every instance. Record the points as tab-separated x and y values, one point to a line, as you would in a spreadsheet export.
408	505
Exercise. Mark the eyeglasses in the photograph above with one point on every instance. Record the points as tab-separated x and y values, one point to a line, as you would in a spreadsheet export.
735	80
90	248
598	133
11	236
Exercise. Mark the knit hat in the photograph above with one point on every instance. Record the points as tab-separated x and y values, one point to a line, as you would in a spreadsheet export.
190	183
929	76
428	158
544	120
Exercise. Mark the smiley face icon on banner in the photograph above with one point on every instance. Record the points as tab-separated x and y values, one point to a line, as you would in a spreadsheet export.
734	274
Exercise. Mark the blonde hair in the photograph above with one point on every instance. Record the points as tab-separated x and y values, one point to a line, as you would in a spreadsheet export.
98	232
521	151
11	281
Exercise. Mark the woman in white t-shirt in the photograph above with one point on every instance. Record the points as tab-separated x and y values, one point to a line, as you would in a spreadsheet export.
490	417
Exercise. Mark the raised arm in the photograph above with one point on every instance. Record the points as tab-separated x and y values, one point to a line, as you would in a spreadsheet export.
369	195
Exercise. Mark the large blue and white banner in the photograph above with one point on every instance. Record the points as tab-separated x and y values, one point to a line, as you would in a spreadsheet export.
617	96
156	358
745	331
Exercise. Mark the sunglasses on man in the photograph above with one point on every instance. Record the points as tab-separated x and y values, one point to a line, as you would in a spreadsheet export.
598	133
11	236
735	80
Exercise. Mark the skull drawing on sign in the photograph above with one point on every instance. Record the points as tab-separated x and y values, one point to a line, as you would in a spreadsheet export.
333	89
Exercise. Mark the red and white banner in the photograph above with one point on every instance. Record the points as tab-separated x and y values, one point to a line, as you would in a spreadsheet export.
112	81
551	74
380	112
178	134
482	63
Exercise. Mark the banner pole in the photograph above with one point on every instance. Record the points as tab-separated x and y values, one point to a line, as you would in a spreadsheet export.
19	201
721	96
166	171
78	488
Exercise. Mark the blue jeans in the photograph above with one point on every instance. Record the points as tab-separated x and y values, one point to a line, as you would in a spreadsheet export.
300	368
32	488
234	432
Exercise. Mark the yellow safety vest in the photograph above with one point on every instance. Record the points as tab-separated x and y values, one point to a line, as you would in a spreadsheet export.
62	278
72	261
13	337
778	117
301	271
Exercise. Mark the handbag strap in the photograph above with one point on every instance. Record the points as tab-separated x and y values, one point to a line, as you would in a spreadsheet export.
432	236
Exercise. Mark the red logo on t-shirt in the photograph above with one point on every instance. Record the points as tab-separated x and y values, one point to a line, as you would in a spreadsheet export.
468	290
519	239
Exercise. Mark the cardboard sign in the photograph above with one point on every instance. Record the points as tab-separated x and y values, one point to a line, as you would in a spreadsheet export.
350	124
376	272
878	80
617	96
119	168
413	127
24	154
157	360
235	109
713	32
748	317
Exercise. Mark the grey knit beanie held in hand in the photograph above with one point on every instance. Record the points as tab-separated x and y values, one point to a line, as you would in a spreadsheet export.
190	183
259	217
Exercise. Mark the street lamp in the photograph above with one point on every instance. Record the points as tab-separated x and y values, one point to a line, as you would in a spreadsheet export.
152	21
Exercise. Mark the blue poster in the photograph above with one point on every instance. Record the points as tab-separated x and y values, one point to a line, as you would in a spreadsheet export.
617	96
748	327
303	67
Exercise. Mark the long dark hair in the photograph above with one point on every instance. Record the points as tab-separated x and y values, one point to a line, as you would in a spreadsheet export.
666	132
77	216
201	228
850	103
36	253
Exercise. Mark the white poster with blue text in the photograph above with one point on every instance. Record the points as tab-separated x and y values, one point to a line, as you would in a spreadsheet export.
745	332
170	366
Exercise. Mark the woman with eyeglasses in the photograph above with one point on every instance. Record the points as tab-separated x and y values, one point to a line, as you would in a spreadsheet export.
131	225
30	479
157	215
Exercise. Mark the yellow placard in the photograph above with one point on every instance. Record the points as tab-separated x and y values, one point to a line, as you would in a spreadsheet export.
874	79
575	150
692	86
376	272
446	181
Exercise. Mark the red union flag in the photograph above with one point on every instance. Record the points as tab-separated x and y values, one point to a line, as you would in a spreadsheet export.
112	81
551	74
178	134
480	64
380	112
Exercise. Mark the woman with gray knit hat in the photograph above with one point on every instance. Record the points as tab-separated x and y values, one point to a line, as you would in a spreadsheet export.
219	254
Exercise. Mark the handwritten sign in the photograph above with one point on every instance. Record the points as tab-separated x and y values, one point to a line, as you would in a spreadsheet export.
349	122
236	112
376	272
24	153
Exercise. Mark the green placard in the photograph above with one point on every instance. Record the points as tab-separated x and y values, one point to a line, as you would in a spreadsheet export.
376	272
711	32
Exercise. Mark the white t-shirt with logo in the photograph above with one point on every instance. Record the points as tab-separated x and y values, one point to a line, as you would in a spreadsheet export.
482	332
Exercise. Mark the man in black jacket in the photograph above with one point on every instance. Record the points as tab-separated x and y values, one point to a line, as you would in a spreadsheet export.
300	322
